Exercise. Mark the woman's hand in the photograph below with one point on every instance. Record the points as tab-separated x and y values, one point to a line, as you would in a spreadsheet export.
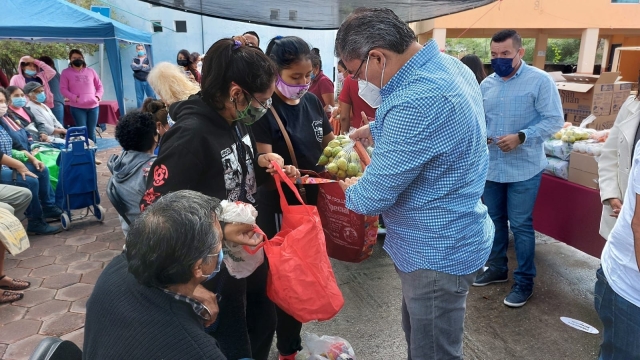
265	161
37	163
616	206
44	137
241	234
24	172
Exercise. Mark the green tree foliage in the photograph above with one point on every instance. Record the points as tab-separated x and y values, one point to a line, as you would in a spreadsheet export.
11	51
559	51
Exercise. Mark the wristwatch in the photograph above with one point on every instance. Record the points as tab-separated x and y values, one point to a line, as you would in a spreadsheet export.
522	137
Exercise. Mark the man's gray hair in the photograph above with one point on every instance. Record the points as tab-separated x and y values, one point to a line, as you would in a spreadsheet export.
166	241
366	29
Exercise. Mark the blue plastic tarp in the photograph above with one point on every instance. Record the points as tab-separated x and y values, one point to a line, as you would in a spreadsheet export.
61	21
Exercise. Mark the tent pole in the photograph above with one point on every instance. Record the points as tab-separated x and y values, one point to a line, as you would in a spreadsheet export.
101	52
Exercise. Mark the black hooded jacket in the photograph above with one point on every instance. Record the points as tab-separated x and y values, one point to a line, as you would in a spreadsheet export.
201	152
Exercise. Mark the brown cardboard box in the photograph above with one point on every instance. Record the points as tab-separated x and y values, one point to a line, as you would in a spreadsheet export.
621	91
588	94
600	123
583	170
584	162
583	178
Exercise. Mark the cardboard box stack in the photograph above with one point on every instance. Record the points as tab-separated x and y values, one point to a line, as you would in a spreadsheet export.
583	170
600	95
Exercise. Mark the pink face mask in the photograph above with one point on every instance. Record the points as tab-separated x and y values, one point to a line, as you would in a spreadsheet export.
293	92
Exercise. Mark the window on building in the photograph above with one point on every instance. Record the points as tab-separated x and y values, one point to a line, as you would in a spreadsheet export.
157	25
625	1
275	14
181	26
293	15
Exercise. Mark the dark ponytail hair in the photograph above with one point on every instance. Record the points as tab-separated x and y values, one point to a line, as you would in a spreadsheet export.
157	108
316	61
226	61
288	50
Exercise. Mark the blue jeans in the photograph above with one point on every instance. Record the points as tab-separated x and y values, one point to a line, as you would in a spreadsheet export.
88	118
433	308
42	196
621	334
58	111
143	87
511	204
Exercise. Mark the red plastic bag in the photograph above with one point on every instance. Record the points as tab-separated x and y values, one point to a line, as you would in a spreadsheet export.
350	236
301	281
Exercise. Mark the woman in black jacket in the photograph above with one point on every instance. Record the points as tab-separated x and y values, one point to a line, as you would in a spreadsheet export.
210	149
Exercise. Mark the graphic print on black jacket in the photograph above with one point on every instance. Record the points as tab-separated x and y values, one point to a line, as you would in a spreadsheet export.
202	152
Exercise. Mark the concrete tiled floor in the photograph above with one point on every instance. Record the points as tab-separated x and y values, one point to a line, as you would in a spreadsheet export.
63	269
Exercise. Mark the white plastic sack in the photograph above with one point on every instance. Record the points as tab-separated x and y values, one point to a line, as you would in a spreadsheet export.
328	348
239	262
558	149
558	168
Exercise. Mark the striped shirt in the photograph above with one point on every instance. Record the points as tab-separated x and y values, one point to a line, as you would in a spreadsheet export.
527	102
428	168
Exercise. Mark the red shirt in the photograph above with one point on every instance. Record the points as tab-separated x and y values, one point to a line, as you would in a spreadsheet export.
321	85
349	95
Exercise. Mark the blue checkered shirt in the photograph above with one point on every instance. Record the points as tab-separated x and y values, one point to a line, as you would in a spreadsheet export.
6	143
428	168
527	102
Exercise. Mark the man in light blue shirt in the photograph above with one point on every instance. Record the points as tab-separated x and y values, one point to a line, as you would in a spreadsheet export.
426	175
523	109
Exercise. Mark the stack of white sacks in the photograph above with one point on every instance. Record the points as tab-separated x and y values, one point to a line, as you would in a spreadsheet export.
571	138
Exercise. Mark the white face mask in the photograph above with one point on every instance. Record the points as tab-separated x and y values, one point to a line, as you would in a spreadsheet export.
369	92
3	109
340	77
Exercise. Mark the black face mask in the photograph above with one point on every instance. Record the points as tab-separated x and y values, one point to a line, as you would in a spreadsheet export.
77	62
183	62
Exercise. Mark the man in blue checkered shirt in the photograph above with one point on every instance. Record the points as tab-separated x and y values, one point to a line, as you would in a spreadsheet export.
523	109
427	173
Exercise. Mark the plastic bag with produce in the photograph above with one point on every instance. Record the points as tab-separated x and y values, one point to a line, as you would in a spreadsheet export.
343	158
239	261
328	348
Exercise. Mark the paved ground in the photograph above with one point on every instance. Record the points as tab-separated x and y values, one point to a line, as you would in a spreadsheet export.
64	267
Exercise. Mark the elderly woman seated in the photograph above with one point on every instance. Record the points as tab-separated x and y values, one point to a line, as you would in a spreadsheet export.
148	303
138	135
49	128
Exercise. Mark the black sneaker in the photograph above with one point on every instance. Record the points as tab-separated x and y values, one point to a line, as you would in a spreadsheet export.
518	296
52	213
39	227
489	277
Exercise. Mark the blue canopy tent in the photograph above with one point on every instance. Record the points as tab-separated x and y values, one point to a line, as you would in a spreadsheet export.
65	22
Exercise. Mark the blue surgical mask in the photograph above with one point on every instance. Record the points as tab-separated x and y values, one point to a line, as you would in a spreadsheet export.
313	76
30	72
503	66
142	53
19	102
217	269
42	97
